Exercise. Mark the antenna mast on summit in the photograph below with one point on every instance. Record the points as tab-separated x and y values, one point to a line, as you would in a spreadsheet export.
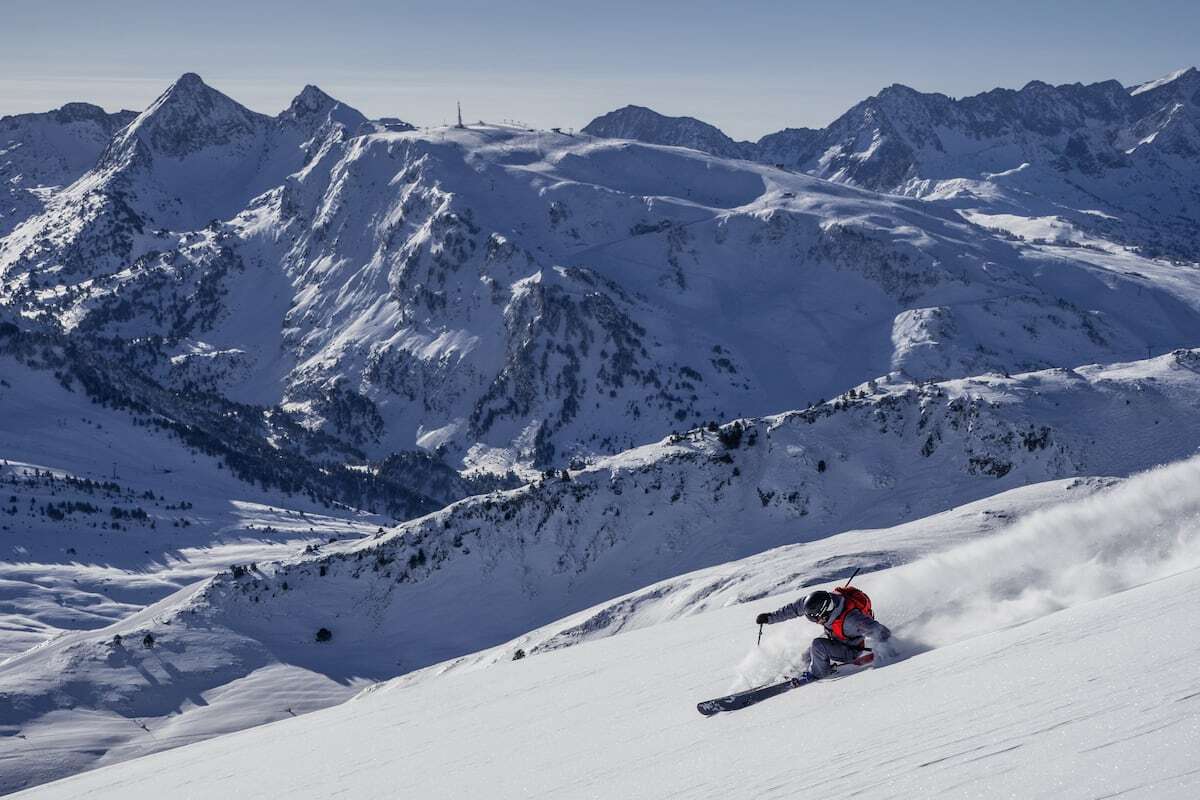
460	125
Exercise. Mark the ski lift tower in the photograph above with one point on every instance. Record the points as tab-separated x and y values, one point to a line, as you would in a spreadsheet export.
460	122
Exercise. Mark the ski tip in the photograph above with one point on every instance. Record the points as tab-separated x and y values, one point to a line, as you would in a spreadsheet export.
719	704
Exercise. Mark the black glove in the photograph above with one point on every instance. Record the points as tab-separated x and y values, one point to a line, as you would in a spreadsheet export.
763	619
884	634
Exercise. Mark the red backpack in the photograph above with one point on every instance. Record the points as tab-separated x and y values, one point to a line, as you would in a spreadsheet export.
856	600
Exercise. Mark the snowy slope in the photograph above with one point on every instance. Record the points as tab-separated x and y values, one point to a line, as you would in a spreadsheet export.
101	515
115	492
1020	669
412	596
788	568
293	675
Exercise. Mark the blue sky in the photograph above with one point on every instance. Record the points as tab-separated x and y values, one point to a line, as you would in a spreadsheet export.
749	67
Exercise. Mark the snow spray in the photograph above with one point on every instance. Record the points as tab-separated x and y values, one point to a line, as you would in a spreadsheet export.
1140	530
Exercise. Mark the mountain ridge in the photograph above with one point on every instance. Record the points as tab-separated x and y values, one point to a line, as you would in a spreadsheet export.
482	293
1130	148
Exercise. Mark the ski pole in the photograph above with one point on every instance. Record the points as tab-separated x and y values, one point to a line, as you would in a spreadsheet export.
759	636
852	577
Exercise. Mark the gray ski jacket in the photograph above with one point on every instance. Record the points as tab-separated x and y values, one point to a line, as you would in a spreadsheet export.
857	626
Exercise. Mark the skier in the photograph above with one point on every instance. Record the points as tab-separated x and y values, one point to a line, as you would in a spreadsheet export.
848	620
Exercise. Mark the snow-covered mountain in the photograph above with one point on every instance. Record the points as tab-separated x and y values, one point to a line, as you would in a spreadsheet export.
1019	659
645	125
41	153
118	492
193	157
514	299
1117	162
103	514
490	568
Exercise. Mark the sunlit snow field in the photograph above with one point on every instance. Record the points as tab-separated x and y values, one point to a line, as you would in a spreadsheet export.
1031	663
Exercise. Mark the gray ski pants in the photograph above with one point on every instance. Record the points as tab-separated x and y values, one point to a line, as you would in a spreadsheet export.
825	652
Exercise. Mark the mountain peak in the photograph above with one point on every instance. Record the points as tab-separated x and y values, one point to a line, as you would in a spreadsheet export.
81	111
1177	77
1037	86
647	125
900	89
87	112
190	79
313	107
190	115
189	84
311	99
190	89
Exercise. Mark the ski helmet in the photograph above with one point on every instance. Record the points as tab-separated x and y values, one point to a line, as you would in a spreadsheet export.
818	605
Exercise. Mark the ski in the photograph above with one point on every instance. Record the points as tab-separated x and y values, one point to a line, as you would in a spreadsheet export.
747	698
733	702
